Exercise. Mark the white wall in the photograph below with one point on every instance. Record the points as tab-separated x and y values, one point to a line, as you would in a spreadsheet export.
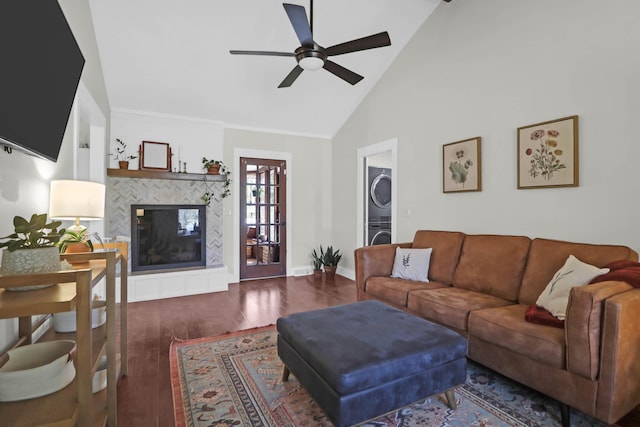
24	180
310	178
190	139
486	68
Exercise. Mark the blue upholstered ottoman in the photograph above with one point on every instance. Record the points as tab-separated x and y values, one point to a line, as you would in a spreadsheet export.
364	359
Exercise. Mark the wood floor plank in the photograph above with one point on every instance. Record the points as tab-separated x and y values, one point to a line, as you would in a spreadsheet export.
144	396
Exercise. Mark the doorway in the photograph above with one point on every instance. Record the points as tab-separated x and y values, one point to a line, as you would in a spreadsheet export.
376	194
263	210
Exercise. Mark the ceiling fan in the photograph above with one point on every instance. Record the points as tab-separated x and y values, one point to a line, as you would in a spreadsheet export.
312	56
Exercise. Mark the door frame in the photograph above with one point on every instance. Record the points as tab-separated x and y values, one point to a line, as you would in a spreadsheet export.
361	197
271	155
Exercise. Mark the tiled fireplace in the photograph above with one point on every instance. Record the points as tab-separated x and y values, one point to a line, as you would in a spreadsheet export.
127	188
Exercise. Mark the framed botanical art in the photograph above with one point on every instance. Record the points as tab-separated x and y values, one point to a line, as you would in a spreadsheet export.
461	168
548	154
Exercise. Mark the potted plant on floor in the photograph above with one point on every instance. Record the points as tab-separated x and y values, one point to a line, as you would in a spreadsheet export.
317	264
31	248
330	259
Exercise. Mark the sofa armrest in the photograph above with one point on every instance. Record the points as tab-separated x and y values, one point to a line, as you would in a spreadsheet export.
375	260
583	325
619	388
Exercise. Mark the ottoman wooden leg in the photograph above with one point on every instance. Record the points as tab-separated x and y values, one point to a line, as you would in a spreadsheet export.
285	374
451	399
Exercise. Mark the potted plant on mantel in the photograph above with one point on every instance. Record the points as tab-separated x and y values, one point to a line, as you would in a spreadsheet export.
121	154
216	167
330	259
31	248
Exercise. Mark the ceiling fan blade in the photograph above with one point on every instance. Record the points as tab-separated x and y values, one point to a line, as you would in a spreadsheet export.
298	18
364	43
293	75
260	52
345	74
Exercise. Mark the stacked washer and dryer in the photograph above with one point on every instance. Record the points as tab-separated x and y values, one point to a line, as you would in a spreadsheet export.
379	206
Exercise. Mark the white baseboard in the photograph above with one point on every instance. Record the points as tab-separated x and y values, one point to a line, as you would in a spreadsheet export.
306	271
302	271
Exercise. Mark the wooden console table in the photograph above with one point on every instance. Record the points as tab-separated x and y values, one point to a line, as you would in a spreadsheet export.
76	404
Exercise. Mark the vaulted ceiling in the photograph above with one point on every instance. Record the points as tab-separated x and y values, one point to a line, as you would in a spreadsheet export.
172	57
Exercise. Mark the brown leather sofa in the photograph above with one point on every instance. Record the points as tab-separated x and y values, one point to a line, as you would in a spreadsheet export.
481	286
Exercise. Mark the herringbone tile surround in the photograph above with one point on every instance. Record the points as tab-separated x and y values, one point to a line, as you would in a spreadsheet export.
124	192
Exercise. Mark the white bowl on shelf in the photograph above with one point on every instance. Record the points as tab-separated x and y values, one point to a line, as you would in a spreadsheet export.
66	321
36	370
100	377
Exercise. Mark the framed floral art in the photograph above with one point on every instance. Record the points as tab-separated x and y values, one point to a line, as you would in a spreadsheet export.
548	154
461	169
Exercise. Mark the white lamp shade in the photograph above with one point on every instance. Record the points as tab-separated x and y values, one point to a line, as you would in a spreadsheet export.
73	200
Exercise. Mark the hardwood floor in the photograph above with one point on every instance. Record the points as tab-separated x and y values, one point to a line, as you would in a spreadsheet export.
144	396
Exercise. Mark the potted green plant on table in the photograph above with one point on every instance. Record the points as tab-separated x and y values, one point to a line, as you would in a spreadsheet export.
330	259
75	241
31	248
121	154
317	264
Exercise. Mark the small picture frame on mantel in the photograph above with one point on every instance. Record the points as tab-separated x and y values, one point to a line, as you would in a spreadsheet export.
155	156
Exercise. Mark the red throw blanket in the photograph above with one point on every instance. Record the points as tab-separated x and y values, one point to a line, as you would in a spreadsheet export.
624	271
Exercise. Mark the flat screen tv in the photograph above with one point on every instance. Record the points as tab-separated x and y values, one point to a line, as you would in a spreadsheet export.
40	69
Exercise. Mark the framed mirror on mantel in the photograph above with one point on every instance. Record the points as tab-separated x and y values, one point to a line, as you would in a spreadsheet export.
155	156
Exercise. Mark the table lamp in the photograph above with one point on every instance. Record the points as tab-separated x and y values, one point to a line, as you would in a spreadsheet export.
76	201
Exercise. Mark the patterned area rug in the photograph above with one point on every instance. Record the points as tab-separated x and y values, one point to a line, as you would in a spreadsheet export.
236	380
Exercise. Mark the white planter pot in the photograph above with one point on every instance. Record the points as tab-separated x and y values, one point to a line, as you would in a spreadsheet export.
30	261
66	321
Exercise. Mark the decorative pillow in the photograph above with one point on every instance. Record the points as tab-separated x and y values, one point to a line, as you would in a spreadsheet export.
412	264
573	273
541	316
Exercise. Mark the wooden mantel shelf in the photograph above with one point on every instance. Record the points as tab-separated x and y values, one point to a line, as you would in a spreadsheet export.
147	174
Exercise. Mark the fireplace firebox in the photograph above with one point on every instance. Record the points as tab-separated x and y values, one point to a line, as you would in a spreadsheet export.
168	237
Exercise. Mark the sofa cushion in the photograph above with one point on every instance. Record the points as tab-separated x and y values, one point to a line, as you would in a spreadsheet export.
492	265
446	252
573	273
547	256
411	264
395	291
506	327
450	306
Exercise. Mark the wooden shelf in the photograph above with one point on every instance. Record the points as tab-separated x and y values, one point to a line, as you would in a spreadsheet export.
132	173
75	404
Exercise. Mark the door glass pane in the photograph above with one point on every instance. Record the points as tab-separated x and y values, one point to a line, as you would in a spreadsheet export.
261	200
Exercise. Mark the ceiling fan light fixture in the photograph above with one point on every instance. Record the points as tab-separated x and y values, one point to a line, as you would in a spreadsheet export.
311	63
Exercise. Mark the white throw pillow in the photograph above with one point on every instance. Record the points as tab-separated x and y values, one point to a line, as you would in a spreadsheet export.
574	272
412	264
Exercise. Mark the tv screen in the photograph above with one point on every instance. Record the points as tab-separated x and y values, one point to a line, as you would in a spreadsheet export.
39	76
